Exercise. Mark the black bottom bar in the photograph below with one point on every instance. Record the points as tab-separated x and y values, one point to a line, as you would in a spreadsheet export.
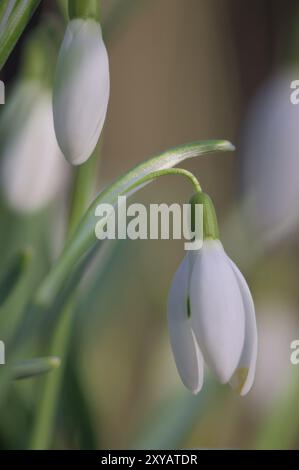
135	459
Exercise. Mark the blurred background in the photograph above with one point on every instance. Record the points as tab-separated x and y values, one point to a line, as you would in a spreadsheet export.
180	71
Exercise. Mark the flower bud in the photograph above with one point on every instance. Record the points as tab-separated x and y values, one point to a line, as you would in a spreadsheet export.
81	90
33	170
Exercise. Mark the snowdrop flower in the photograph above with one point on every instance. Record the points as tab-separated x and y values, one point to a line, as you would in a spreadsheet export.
81	90
271	163
33	170
277	322
211	314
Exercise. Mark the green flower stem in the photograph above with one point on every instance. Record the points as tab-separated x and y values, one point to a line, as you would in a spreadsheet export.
82	190
14	272
137	178
14	26
83	238
47	405
40	53
84	9
170	171
62	6
46	412
52	383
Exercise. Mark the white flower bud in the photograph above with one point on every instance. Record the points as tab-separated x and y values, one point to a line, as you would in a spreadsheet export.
33	170
81	90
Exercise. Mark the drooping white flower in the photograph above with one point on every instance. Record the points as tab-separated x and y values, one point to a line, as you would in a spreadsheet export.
81	90
270	159
211	317
33	170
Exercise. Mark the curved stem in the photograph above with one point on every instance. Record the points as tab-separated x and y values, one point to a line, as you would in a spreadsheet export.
84	239
170	171
45	417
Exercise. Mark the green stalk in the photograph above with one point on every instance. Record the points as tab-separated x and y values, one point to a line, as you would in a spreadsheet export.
42	432
169	171
46	410
84	9
81	191
84	239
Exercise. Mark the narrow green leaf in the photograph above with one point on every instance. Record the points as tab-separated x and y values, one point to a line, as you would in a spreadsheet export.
77	414
4	11
13	273
46	412
33	367
13	24
84	236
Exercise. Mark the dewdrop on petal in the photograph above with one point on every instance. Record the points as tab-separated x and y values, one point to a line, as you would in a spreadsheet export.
211	314
33	170
81	90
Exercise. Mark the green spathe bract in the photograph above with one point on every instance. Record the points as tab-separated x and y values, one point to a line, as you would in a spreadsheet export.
210	224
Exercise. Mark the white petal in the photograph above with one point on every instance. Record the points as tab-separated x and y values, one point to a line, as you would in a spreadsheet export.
218	319
185	349
81	90
33	168
243	378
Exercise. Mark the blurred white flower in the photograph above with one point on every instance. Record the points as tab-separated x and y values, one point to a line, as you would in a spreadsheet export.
278	324
81	90
211	319
271	159
33	170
